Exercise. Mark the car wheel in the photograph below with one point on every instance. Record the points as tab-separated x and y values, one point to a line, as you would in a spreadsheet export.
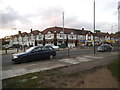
51	56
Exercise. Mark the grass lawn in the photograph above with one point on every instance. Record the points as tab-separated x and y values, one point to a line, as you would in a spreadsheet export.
45	79
115	68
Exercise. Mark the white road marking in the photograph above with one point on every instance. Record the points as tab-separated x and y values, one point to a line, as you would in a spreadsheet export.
71	61
93	57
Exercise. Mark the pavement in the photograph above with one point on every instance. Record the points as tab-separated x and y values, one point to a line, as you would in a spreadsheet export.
12	51
37	66
3	52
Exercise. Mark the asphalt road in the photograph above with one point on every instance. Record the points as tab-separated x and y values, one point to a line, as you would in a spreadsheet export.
7	59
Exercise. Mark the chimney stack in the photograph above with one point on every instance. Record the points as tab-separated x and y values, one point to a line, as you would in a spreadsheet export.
82	28
31	30
19	32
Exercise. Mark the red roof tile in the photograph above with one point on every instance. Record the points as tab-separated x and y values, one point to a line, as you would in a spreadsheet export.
35	32
66	30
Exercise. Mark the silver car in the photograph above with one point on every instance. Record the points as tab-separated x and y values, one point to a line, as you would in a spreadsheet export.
104	48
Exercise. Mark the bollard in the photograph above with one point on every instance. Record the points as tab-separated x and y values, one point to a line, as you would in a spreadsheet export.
68	52
24	48
17	49
5	50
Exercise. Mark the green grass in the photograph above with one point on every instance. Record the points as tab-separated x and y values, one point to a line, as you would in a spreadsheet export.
115	68
27	81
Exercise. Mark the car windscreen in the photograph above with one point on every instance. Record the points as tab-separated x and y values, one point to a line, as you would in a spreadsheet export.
29	50
104	45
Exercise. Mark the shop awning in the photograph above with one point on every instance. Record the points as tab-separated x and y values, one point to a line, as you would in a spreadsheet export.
89	40
97	41
83	41
111	41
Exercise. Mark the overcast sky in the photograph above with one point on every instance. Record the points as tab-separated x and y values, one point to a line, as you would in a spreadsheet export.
41	14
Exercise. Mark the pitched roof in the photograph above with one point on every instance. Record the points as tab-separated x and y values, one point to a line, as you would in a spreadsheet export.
66	30
114	35
100	34
20	34
35	32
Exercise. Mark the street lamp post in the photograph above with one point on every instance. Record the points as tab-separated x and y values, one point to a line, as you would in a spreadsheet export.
94	25
63	27
111	29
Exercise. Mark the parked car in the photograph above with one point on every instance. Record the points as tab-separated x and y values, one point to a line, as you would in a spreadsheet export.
34	53
7	46
17	46
104	48
53	46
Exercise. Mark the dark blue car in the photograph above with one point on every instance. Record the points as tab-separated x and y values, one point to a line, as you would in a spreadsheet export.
34	53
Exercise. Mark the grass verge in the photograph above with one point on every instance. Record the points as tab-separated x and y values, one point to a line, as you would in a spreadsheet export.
115	68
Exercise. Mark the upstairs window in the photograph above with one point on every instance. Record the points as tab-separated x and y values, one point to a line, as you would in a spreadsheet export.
61	34
89	37
72	35
49	34
39	36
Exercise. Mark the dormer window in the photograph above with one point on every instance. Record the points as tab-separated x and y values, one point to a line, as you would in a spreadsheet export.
48	34
72	35
39	36
61	34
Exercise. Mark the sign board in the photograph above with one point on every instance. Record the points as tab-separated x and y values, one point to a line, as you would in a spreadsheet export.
97	31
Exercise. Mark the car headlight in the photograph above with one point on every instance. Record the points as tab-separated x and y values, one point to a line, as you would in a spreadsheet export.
99	48
15	56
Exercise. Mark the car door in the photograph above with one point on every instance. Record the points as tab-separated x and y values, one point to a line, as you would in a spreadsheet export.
36	54
45	52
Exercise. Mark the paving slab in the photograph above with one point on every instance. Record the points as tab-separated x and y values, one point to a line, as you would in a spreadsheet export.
71	61
94	57
22	71
83	59
13	73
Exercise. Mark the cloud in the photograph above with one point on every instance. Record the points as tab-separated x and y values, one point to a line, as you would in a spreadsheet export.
49	16
10	17
52	12
106	27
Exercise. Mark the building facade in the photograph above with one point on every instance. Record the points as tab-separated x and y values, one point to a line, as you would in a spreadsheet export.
55	35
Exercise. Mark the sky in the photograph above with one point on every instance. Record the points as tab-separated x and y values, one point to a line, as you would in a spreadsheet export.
23	15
